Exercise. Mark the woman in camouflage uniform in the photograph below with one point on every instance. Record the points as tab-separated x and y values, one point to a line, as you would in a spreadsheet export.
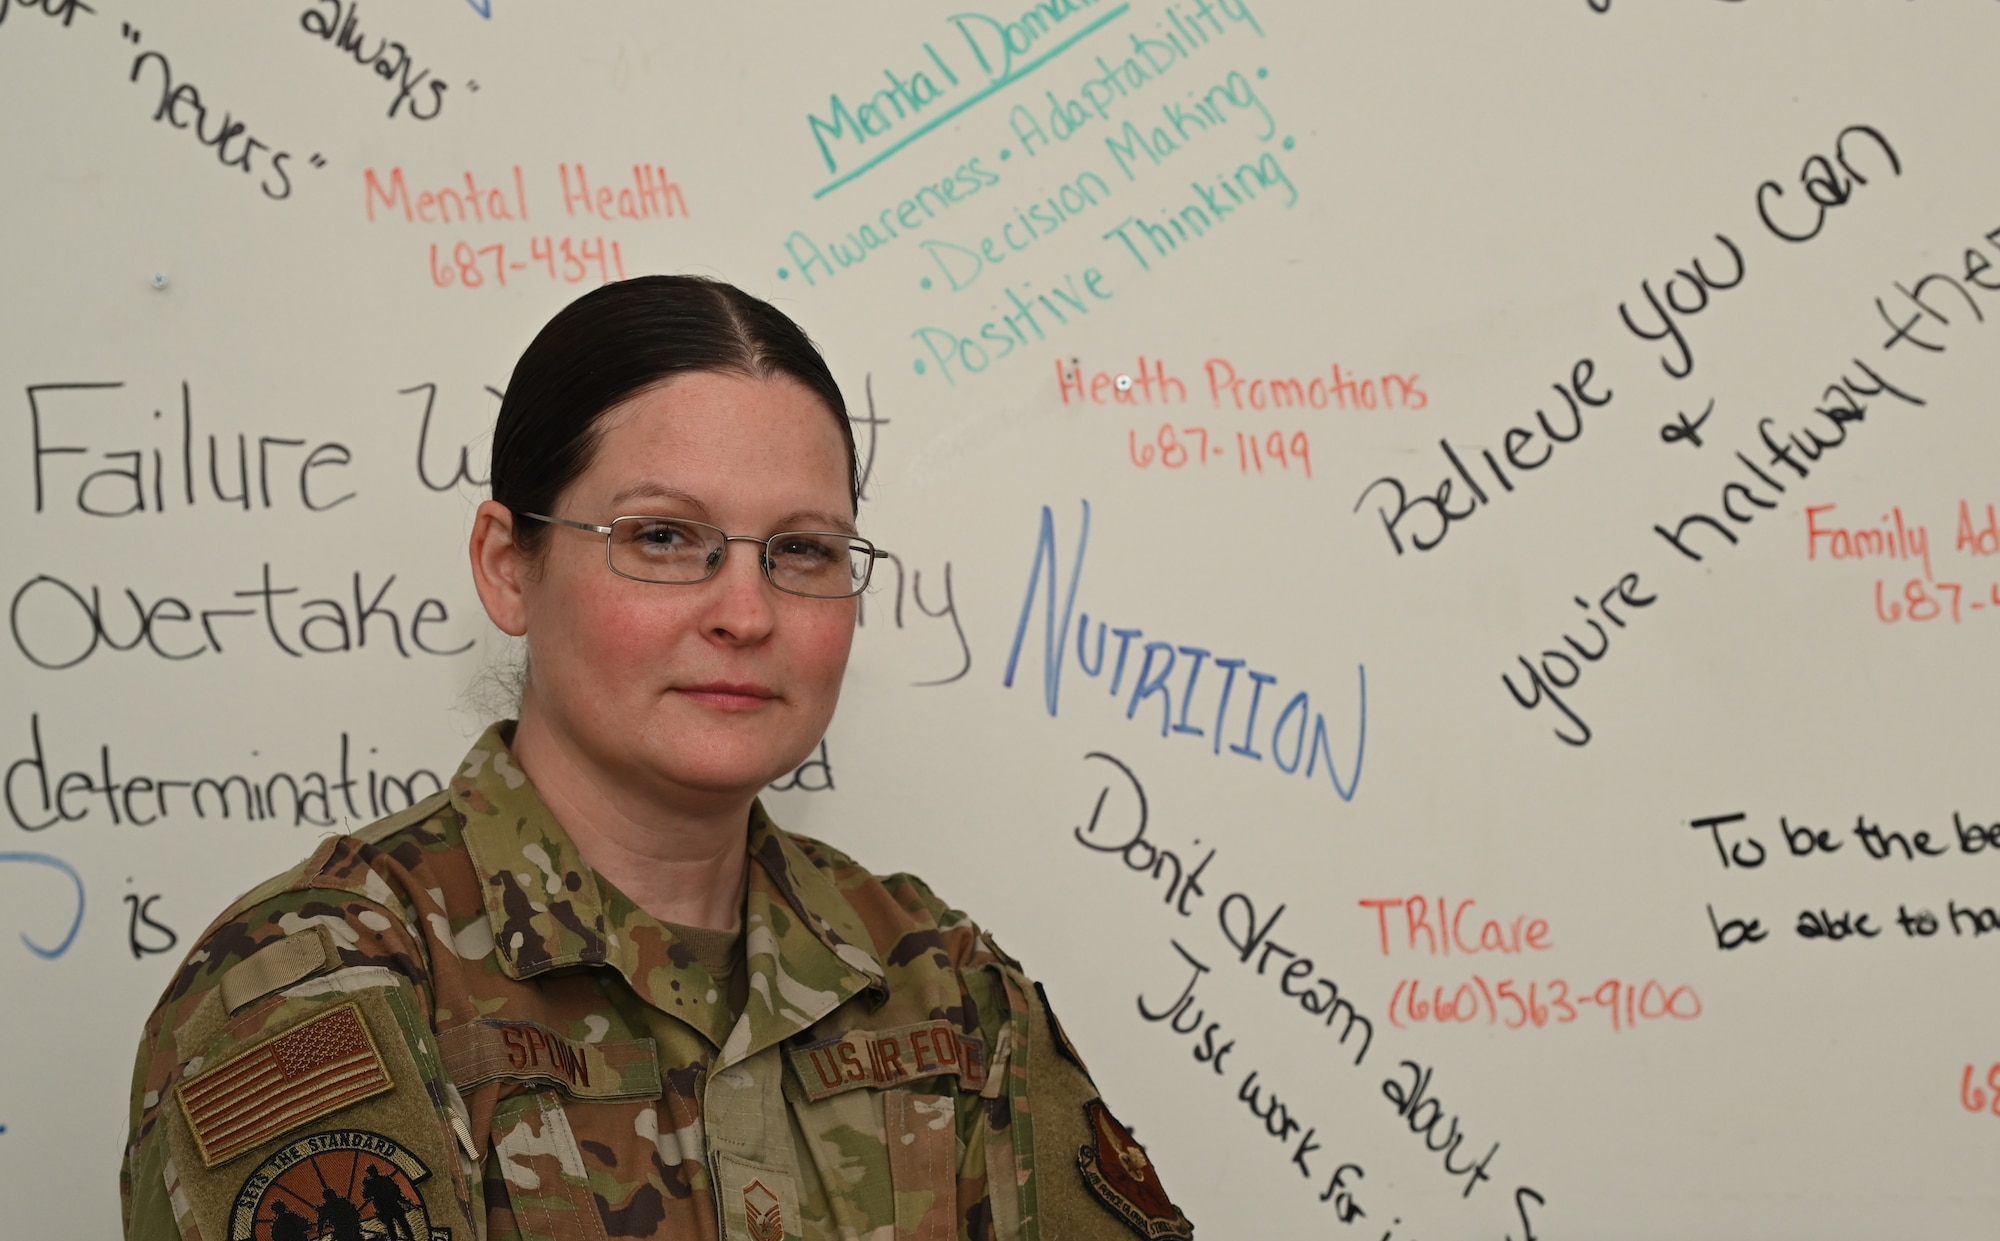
590	989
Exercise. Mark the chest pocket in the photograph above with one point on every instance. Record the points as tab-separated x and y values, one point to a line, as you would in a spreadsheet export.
548	1185
557	1111
879	1114
922	1133
884	1159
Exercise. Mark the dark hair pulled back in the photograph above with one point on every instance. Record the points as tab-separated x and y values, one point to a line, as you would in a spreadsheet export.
613	343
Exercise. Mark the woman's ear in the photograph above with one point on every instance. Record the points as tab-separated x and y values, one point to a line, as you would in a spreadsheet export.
499	568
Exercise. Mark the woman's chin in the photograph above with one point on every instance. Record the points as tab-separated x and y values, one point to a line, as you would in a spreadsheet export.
719	775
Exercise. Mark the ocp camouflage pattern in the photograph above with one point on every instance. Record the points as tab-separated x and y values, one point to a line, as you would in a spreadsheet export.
563	1067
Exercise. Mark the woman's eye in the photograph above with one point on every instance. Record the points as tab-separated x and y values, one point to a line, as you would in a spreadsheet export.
804	550
663	535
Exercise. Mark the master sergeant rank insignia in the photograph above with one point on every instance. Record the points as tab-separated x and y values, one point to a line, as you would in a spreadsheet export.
763	1213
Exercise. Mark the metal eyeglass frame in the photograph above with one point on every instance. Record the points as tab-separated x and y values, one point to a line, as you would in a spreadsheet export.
764	561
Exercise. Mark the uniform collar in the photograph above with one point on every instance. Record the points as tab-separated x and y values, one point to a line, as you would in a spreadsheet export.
806	950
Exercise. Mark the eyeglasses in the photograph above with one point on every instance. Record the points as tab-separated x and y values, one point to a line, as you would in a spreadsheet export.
819	564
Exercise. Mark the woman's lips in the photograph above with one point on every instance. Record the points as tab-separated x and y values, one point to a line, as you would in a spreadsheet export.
729	695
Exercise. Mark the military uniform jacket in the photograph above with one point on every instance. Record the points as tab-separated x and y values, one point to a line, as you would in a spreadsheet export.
447	1027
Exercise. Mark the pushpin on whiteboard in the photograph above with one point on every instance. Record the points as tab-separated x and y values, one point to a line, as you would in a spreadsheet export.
1123	383
159	280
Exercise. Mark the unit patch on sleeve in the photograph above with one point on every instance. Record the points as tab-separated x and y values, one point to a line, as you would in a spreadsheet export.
1118	1172
282	1083
341	1184
889	1058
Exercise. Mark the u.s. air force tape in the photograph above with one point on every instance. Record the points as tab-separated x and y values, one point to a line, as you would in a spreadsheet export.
888	1058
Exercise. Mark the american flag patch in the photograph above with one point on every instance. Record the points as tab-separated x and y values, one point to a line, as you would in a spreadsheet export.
282	1083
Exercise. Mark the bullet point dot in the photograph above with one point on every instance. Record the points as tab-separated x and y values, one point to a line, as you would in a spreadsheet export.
925	282
920	366
1263	73
1006	153
1290	142
784	273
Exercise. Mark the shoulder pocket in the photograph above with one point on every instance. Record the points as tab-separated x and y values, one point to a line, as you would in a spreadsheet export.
998	989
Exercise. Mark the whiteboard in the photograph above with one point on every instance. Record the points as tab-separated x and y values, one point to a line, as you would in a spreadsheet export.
1445	554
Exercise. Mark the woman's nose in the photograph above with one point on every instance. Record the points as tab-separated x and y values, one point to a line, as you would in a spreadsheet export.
743	608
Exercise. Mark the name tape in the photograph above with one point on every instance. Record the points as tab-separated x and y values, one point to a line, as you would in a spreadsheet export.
482	1050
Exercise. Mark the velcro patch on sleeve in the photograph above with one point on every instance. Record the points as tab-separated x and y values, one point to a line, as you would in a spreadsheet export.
297	956
480	1051
290	1079
1124	1180
889	1058
1064	1047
